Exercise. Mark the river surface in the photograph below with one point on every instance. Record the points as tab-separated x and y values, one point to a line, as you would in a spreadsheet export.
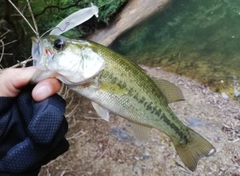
198	39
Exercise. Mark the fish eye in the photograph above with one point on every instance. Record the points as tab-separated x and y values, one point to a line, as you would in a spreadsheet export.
59	44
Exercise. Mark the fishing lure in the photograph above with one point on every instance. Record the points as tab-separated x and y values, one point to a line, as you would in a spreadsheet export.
65	25
75	19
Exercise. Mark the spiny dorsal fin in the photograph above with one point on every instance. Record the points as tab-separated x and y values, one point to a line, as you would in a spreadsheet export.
141	132
169	90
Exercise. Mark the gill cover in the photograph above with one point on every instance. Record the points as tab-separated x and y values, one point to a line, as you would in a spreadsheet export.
71	61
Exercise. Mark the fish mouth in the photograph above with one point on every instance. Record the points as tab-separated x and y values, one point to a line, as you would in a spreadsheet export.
40	75
40	61
37	76
36	51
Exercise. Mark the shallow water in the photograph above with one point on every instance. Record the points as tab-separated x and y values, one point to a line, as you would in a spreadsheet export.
198	39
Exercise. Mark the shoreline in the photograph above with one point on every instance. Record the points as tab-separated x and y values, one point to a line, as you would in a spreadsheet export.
102	143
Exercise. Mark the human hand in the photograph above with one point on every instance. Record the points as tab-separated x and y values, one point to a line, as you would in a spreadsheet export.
13	79
31	133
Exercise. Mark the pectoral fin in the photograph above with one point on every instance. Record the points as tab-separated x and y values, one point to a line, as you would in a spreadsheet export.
141	132
102	112
170	90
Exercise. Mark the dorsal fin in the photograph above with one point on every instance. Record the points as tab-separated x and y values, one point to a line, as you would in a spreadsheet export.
171	92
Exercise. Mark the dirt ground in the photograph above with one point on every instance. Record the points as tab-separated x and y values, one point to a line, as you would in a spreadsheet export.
102	148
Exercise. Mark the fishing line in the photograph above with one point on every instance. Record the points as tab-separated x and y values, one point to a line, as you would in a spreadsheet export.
67	24
37	49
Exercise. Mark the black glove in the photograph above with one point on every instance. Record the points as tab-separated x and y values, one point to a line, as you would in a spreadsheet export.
31	133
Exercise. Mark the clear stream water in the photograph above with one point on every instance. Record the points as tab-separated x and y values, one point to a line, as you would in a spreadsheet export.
198	39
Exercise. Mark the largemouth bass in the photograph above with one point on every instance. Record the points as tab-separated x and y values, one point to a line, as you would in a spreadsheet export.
114	84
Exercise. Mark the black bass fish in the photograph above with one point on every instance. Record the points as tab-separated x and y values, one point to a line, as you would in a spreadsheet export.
114	84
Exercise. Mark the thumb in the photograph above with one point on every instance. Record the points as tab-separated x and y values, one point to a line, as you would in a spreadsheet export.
12	79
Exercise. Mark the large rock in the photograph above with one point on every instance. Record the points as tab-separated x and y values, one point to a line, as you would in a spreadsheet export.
134	12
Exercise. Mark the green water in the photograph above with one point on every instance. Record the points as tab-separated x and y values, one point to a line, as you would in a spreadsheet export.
198	39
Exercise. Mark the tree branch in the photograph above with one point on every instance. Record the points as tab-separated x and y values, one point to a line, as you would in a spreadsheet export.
57	7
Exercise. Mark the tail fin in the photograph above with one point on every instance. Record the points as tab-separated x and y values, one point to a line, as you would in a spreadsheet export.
191	152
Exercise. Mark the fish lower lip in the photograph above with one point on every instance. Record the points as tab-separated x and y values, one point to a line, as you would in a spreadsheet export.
40	75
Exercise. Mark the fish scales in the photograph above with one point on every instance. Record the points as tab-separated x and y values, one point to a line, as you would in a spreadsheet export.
115	84
145	108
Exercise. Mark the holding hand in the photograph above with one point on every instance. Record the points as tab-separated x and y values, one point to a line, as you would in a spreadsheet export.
12	80
32	122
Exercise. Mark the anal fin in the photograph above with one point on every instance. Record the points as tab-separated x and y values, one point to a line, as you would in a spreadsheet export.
102	112
141	132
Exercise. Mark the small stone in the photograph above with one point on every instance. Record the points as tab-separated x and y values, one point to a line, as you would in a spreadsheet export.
136	158
137	169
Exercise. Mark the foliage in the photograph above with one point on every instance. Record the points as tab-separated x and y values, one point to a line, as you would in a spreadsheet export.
107	8
48	14
54	11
